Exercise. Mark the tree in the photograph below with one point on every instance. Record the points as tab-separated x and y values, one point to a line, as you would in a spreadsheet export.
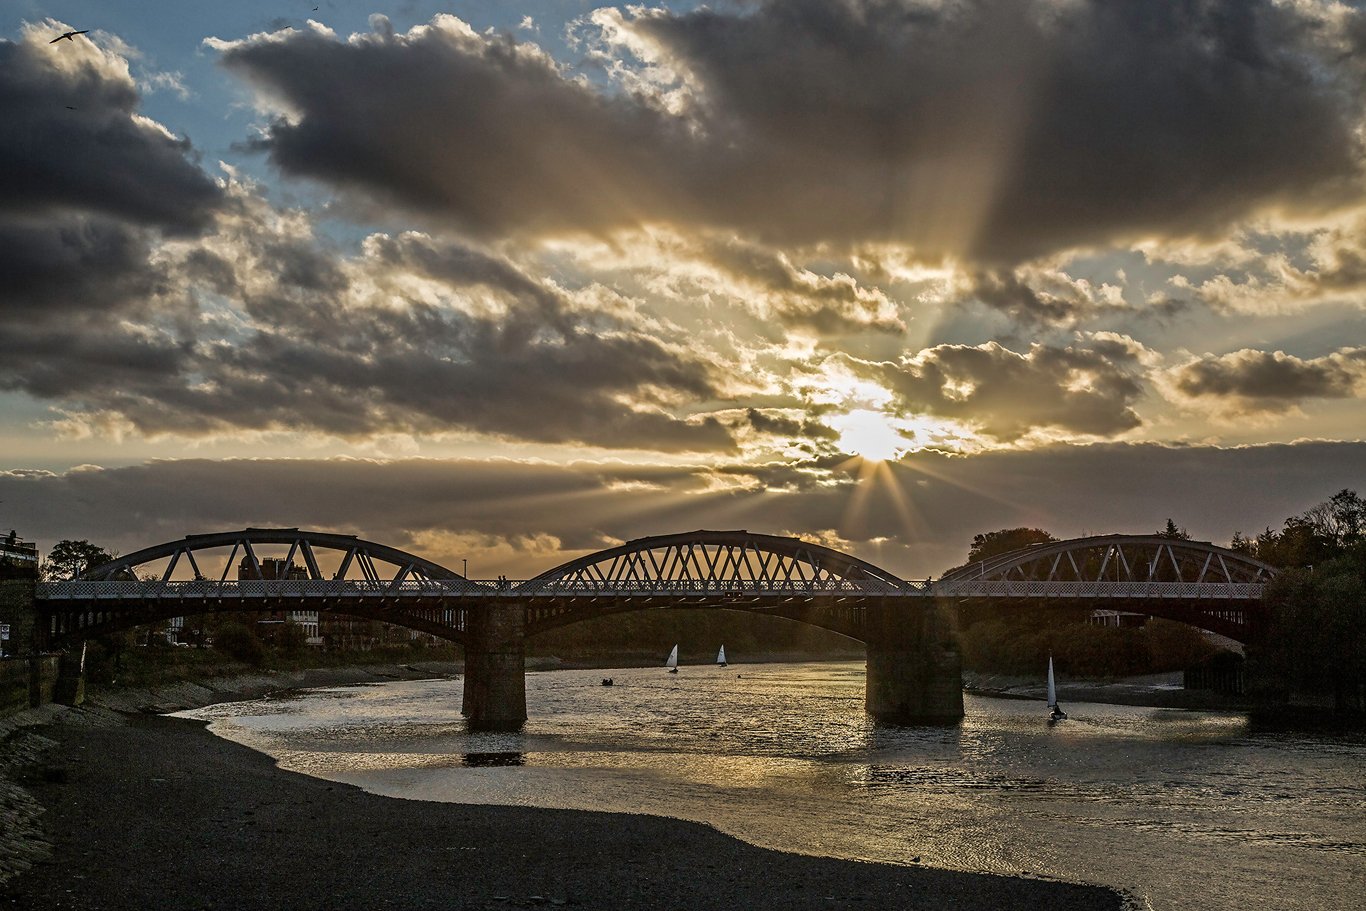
1174	533
994	543
239	642
69	559
1316	536
1340	519
1319	636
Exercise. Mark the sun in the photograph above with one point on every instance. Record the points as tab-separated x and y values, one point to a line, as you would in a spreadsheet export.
869	434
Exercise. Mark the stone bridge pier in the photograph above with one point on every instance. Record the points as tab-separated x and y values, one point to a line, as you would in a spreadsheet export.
915	667
495	662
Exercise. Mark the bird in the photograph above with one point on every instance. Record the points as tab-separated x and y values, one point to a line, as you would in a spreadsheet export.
69	36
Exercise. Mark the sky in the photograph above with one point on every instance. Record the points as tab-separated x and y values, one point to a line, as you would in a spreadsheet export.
511	282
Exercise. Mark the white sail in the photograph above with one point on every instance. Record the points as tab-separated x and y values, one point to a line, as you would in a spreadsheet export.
1052	689
672	662
721	657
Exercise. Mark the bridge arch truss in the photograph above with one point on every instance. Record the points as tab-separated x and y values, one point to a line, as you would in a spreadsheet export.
1193	582
737	570
330	573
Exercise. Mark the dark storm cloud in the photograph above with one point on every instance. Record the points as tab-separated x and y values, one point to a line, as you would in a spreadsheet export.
120	329
58	265
99	158
1249	381
998	131
85	197
1081	389
345	346
1069	490
479	131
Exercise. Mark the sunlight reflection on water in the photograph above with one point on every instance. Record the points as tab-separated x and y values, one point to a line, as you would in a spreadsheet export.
1150	800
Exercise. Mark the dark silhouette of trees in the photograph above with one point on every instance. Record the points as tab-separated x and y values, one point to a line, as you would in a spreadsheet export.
994	543
1174	533
69	559
1316	645
1318	534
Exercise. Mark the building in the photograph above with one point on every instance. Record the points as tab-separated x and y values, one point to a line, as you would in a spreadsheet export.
268	623
1117	618
20	557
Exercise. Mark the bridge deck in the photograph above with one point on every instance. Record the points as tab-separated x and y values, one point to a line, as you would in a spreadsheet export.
462	589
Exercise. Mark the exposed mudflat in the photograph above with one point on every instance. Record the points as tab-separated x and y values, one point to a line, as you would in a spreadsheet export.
144	811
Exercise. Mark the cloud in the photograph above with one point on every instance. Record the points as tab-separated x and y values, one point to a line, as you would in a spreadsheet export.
520	518
74	141
270	330
142	297
1248	381
1084	389
89	188
994	132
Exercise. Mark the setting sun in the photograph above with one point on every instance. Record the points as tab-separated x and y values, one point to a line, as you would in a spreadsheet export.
869	434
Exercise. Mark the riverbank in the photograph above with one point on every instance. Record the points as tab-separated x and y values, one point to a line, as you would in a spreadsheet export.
147	811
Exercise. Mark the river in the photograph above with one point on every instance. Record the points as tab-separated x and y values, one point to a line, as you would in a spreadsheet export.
1183	810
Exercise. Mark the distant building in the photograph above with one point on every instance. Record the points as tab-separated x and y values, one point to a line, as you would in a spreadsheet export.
1118	618
269	622
18	554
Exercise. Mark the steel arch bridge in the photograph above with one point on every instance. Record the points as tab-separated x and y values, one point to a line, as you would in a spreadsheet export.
1193	582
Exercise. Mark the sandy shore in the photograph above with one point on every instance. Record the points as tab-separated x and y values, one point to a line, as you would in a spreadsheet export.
144	811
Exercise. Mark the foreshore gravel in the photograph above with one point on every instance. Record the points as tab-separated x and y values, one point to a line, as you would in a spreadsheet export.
144	811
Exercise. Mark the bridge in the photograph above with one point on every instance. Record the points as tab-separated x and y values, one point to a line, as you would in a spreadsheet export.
913	664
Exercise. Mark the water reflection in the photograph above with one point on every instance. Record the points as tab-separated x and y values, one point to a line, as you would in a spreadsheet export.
1150	800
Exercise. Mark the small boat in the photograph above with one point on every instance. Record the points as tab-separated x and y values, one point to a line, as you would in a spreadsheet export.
606	681
721	657
672	661
1056	714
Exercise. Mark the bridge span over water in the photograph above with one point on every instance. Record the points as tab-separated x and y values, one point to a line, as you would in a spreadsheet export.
913	664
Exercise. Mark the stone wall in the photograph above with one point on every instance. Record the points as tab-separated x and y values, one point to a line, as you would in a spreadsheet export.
16	609
19	675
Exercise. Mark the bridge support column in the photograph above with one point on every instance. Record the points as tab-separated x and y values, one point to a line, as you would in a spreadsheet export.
915	668
70	686
495	667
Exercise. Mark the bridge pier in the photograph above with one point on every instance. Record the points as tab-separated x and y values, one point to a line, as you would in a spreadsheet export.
915	668
70	686
495	667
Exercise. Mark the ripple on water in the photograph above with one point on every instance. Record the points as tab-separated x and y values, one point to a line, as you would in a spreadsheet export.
1151	800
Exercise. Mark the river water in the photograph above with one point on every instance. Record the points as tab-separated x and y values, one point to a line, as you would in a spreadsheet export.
1184	810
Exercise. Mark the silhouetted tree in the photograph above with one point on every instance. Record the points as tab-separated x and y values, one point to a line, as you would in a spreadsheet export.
1174	533
993	543
69	559
1318	642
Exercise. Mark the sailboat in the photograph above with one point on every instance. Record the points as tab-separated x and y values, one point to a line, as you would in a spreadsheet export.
721	657
1056	714
672	661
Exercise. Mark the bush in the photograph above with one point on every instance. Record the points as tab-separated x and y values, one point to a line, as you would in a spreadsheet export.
239	643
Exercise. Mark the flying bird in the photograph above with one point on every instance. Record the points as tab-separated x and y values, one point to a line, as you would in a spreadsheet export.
69	36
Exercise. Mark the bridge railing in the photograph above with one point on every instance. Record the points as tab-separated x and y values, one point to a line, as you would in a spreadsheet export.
83	590
306	589
707	587
1015	588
